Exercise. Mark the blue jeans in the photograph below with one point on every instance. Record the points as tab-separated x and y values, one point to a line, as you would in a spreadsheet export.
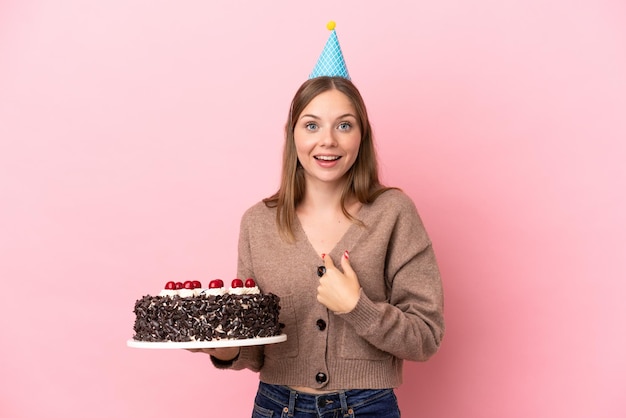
280	401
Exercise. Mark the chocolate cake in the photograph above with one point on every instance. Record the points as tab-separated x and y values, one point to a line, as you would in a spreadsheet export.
186	312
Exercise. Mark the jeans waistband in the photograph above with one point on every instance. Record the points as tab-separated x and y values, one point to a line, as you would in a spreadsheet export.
342	400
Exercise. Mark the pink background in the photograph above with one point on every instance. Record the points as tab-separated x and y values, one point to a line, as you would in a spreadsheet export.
134	134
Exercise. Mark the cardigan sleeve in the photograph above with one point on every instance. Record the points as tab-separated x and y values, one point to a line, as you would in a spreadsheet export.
410	324
250	357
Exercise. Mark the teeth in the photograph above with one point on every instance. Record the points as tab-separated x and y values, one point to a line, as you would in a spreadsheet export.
327	157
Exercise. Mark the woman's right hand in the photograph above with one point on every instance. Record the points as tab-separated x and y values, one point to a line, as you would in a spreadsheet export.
224	354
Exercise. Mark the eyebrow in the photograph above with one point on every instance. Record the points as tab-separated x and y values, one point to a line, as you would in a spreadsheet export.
340	117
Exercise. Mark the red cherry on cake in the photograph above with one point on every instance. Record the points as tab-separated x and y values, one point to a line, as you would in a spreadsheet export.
170	285
236	283
196	284
188	284
250	283
179	285
216	284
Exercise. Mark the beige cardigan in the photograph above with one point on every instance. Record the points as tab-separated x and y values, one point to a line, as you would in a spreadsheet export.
398	317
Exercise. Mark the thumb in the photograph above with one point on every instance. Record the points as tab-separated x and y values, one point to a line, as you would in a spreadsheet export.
345	264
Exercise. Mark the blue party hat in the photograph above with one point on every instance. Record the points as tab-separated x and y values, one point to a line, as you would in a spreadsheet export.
331	63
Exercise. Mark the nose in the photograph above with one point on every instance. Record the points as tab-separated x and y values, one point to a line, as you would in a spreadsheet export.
328	138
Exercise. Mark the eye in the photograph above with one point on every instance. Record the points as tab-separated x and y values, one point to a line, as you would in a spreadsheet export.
344	126
311	126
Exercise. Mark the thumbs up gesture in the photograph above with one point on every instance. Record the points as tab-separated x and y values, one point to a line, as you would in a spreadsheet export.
339	291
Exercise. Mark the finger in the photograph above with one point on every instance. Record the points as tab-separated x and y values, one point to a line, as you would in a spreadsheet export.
328	261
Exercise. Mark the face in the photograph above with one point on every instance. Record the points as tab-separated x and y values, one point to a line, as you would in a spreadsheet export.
327	137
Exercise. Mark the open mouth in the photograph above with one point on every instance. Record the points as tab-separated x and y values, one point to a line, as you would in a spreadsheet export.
327	157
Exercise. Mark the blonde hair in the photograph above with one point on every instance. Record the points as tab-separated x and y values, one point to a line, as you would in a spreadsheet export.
362	178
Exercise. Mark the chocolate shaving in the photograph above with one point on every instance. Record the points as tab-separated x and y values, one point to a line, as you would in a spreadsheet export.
206	318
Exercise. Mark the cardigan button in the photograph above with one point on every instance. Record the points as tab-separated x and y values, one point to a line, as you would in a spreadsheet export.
321	324
321	270
321	377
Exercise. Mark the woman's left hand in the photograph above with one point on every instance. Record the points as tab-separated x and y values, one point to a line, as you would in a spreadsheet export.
339	292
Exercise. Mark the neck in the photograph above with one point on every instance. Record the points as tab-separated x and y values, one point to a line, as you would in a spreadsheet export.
323	196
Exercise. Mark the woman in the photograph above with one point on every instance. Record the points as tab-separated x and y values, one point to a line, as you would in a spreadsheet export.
350	259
